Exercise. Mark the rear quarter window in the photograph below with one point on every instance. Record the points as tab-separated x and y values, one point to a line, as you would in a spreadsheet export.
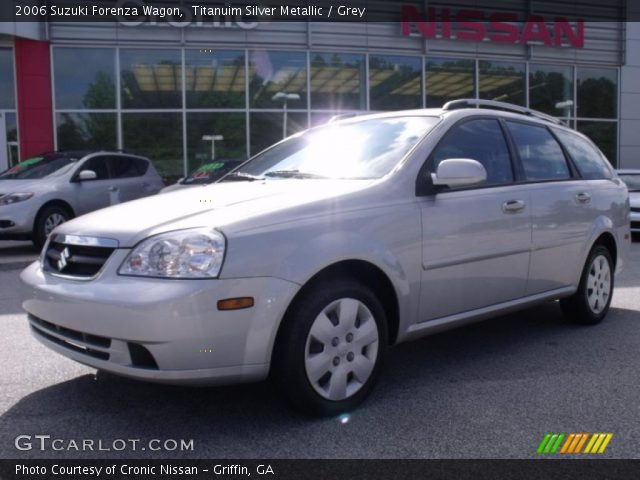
590	163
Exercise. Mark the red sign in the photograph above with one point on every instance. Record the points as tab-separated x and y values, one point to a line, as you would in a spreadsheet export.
499	27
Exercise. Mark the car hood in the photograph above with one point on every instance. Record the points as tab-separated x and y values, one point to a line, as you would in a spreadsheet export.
16	186
217	205
178	186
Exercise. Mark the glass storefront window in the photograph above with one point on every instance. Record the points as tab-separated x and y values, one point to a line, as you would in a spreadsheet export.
395	82
91	131
449	79
268	128
597	92
232	146
84	78
273	73
7	86
151	78
11	125
604	135
215	79
157	136
502	81
337	81
298	85
551	89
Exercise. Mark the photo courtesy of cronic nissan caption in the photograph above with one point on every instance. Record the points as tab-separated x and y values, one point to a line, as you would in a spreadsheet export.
308	261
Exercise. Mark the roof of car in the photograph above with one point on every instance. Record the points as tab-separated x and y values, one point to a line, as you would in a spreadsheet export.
458	107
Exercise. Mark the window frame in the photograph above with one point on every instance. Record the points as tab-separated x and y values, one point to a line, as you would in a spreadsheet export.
427	164
82	164
574	174
133	164
596	149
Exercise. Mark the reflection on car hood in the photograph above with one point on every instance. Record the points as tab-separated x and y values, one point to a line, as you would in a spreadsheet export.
215	205
178	186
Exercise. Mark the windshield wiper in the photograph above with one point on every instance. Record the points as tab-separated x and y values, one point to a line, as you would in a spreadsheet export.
241	177
292	174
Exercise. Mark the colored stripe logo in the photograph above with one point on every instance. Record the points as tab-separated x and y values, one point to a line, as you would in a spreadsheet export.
573	443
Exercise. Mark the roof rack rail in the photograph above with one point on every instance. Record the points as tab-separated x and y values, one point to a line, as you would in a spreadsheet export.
507	107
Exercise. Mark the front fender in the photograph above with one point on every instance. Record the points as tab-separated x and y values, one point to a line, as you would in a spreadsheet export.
296	251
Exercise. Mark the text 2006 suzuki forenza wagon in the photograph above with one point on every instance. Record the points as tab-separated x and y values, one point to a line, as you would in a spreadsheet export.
316	255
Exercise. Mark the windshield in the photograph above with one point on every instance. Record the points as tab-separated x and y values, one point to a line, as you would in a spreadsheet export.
364	149
37	167
632	181
210	172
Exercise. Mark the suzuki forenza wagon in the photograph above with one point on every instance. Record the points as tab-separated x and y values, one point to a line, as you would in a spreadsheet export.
312	258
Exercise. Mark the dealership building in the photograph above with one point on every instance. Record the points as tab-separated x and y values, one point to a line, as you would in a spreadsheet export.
184	92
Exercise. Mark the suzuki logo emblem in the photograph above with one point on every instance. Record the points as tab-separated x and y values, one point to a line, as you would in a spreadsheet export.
64	256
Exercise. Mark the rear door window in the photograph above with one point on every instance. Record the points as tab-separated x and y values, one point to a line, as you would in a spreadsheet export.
127	167
541	156
589	162
482	140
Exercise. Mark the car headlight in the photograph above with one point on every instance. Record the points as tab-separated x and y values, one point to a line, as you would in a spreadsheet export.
10	198
193	253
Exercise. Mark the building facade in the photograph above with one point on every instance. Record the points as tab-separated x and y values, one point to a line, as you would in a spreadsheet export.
184	93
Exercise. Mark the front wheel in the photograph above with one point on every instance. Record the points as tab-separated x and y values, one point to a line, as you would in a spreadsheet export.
331	348
590	304
48	219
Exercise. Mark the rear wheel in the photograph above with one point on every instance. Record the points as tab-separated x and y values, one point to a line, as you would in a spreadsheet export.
590	304
48	219
331	348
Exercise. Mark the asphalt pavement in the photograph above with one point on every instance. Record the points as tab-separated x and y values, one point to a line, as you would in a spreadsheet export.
489	390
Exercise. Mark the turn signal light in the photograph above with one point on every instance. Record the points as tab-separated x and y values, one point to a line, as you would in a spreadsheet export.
235	303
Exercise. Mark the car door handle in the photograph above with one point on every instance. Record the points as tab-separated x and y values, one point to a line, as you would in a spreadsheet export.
113	188
513	206
583	197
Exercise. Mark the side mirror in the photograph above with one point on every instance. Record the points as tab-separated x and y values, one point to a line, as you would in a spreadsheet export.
86	175
459	172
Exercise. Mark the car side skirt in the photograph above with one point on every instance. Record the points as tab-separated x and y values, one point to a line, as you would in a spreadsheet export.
430	327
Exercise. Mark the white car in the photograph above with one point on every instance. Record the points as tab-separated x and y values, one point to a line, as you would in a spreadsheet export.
316	255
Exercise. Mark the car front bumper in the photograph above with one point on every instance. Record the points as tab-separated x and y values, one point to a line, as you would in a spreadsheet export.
160	330
17	218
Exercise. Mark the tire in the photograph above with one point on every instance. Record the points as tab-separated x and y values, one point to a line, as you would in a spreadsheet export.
331	348
48	218
590	304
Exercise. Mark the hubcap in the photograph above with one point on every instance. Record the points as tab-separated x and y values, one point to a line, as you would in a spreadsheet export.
599	284
52	222
341	349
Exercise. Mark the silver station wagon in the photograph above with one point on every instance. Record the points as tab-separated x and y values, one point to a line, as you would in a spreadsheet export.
312	258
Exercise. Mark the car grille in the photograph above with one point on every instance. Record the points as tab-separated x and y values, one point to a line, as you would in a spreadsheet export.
635	209
635	225
91	345
74	256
